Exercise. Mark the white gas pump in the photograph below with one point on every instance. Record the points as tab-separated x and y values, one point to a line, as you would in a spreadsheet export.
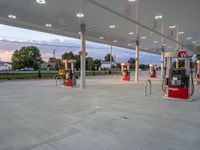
178	82
152	70
125	71
66	73
70	77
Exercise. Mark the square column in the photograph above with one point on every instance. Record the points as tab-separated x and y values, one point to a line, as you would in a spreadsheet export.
137	61
83	54
162	61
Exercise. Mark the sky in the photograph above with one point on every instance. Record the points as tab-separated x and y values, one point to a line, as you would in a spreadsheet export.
13	38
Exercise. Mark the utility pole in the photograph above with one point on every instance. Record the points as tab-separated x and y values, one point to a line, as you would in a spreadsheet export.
54	56
110	53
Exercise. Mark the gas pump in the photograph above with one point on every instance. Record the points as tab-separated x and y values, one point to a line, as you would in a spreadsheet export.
69	77
152	70
125	71
178	82
197	78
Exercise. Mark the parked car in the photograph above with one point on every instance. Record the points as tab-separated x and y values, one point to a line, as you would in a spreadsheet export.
27	69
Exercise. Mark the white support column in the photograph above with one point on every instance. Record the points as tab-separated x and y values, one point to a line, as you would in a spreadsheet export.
163	49
83	53
187	65
177	46
169	65
162	61
111	53
137	61
137	48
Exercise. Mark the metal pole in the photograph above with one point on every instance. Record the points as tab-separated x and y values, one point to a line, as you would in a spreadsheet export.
54	56
83	53
137	44
110	53
177	46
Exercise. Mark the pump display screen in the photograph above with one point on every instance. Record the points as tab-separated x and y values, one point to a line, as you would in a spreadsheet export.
176	81
177	77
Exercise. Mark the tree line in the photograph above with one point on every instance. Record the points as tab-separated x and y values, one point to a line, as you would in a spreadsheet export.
30	57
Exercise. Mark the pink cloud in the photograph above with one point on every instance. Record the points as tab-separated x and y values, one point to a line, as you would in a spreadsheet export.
6	55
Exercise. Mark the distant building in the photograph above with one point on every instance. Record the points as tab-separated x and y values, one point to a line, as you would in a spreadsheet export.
5	66
47	65
107	65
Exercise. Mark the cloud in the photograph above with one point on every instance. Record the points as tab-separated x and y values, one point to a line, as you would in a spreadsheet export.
2	26
61	46
6	55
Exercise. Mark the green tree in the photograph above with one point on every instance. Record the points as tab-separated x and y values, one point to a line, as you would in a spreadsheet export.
27	57
90	65
68	56
71	55
118	66
131	61
142	66
78	62
97	63
107	57
181	63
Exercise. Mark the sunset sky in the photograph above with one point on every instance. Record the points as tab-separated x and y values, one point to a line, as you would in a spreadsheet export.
10	38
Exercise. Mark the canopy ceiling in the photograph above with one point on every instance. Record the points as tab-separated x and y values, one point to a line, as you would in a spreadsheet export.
100	14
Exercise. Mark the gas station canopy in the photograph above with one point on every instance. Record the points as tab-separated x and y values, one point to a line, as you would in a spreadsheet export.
110	21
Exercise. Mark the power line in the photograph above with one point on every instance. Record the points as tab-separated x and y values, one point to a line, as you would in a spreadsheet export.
59	46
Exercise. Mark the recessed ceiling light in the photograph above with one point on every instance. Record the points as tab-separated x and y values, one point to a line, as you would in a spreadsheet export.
131	0
155	42
131	33
172	27
169	47
115	41
188	38
163	44
101	38
158	17
41	1
194	42
12	16
80	15
112	26
48	25
181	33
79	32
143	37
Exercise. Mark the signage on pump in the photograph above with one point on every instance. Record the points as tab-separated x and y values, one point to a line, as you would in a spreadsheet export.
182	54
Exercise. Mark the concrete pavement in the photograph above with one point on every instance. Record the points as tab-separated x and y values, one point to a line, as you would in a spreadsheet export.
108	115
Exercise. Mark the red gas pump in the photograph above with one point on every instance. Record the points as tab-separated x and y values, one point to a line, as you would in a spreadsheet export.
178	82
125	71
152	70
69	78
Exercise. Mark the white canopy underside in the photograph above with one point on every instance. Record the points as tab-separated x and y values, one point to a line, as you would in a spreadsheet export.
100	14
